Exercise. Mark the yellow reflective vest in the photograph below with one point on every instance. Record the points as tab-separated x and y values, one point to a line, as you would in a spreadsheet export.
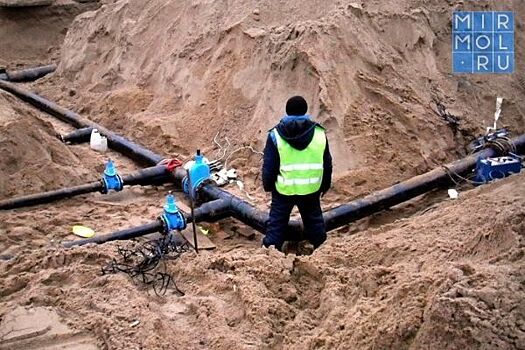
300	171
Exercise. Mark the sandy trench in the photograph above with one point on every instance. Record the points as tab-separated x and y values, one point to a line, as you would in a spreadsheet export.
429	274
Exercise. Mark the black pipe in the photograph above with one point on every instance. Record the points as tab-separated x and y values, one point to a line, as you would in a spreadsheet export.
47	197
226	204
246	212
30	74
129	233
408	189
209	212
239	208
141	177
129	148
77	136
360	208
116	142
249	214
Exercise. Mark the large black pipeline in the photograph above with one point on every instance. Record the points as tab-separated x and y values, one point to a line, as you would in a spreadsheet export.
360	208
224	204
51	196
141	177
30	74
116	142
239	208
77	136
246	212
209	212
129	233
408	189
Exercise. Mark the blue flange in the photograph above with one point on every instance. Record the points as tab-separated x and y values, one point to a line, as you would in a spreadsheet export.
172	219
185	185
111	179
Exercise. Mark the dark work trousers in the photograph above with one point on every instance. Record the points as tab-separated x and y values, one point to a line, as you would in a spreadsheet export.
311	214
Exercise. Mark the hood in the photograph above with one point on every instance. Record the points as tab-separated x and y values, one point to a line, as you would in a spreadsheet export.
298	131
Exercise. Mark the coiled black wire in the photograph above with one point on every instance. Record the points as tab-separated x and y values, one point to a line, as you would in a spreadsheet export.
502	145
146	263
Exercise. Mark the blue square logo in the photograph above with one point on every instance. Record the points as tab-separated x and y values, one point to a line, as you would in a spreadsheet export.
503	21
462	22
483	63
503	62
462	62
483	42
504	42
483	21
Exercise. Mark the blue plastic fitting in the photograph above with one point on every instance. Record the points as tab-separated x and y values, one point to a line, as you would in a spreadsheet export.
111	179
172	219
490	169
199	172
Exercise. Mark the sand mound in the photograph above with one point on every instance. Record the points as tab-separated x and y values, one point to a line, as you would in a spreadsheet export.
33	35
174	73
33	158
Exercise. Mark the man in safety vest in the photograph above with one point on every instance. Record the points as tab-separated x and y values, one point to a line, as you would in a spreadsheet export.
297	169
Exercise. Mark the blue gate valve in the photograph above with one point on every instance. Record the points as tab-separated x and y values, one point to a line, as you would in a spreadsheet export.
199	172
110	179
172	218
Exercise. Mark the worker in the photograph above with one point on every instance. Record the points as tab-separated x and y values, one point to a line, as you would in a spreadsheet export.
297	170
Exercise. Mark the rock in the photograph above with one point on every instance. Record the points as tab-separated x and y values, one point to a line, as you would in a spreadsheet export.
255	32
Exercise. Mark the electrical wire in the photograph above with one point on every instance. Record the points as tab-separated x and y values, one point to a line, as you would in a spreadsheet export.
465	179
222	149
442	112
146	263
240	149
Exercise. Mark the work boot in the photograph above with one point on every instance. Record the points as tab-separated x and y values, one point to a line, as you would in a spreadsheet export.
305	248
289	247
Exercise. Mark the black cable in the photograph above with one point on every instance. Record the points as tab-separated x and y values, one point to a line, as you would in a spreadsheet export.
146	263
502	145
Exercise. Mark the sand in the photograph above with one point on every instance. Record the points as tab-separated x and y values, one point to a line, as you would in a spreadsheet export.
443	278
433	273
34	35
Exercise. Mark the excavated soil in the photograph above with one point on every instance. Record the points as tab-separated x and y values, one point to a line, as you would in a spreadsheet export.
33	35
433	273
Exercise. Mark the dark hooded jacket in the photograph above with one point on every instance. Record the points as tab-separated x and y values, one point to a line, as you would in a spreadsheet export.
298	131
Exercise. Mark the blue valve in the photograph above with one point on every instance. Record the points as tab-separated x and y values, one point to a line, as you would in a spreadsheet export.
172	218
170	206
198	172
110	179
